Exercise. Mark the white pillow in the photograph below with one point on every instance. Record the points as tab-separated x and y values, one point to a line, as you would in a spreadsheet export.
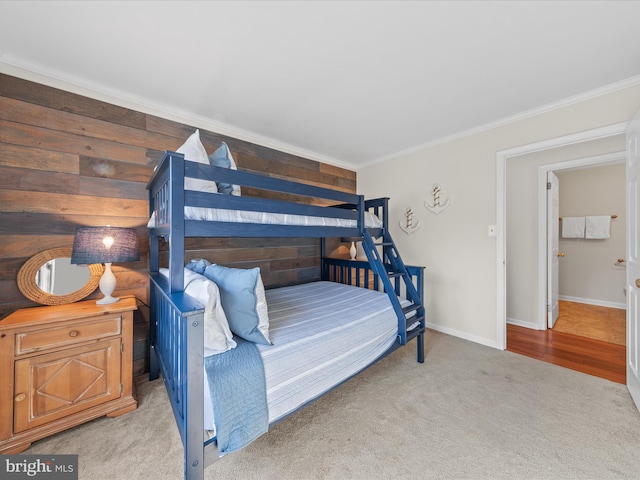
194	151
217	334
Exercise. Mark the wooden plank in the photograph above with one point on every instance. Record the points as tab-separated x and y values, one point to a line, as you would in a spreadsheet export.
240	254
295	263
30	136
39	116
301	174
24	90
23	246
312	251
168	127
38	159
28	223
338	172
38	180
105	168
102	187
38	202
279	279
270	156
235	242
9	268
10	292
129	279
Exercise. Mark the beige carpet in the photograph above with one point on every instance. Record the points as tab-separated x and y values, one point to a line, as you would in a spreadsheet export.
469	412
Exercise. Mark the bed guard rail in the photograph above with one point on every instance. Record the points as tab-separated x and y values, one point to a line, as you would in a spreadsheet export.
177	351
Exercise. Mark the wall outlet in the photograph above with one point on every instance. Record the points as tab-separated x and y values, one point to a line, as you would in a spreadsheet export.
492	230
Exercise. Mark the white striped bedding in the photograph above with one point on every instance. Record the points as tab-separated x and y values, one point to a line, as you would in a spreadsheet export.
242	216
322	334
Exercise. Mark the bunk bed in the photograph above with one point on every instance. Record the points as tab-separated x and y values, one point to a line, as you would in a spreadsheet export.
177	348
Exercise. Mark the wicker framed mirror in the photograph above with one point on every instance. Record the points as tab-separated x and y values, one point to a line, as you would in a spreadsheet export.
36	278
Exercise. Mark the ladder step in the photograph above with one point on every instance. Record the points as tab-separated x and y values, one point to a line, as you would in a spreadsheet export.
411	334
411	308
383	244
393	273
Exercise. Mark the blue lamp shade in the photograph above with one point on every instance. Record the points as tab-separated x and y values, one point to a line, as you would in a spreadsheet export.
105	245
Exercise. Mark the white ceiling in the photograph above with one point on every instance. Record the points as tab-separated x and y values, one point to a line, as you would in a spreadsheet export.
349	83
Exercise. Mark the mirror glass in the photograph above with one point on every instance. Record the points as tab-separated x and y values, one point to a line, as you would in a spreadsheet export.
59	277
49	278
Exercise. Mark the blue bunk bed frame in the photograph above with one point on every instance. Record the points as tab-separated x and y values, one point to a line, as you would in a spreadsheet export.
177	325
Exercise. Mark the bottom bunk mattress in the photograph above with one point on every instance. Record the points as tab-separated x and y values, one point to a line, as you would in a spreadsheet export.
322	333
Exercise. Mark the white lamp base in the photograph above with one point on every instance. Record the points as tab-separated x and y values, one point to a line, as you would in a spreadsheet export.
107	286
107	300
353	251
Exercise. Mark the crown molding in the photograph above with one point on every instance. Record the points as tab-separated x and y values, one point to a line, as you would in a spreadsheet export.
597	92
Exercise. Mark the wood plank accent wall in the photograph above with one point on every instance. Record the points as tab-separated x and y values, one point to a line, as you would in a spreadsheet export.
68	160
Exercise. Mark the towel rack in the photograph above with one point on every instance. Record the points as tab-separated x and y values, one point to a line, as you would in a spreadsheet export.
612	216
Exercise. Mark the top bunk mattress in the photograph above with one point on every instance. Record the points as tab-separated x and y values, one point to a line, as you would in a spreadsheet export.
266	218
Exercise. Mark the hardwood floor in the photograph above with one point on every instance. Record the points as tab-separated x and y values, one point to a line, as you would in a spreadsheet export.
589	340
600	323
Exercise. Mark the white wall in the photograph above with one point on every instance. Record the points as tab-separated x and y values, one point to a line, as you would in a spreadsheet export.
459	256
587	271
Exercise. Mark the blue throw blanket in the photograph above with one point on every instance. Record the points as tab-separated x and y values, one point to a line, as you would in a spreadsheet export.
239	396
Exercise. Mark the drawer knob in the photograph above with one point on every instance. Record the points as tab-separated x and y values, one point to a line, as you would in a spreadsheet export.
73	333
20	397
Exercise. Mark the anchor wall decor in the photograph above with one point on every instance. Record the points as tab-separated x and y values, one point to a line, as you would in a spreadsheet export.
436	207
407	226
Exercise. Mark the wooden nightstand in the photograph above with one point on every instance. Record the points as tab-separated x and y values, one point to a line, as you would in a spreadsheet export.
61	366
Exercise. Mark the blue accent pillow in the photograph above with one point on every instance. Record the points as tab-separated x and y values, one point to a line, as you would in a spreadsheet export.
243	301
198	266
222	158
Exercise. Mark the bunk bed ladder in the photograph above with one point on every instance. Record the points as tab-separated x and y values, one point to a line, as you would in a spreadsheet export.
388	265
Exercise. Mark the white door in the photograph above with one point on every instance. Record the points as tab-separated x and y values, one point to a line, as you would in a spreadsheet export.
633	257
553	215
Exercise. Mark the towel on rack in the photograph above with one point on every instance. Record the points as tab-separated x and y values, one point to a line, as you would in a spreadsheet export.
598	226
573	227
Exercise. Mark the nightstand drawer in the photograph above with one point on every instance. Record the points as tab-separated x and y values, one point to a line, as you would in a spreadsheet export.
43	339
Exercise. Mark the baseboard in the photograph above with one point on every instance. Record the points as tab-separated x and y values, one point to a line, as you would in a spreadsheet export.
588	301
464	336
523	323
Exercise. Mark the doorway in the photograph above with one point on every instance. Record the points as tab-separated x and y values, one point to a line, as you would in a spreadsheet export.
529	287
514	156
592	269
572	344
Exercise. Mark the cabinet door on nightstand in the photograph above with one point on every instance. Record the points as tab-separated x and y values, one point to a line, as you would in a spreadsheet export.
51	386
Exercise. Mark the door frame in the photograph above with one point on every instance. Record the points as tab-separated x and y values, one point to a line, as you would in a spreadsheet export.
502	157
543	250
553	248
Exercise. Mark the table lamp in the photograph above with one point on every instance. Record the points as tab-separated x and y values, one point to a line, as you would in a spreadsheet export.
105	245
